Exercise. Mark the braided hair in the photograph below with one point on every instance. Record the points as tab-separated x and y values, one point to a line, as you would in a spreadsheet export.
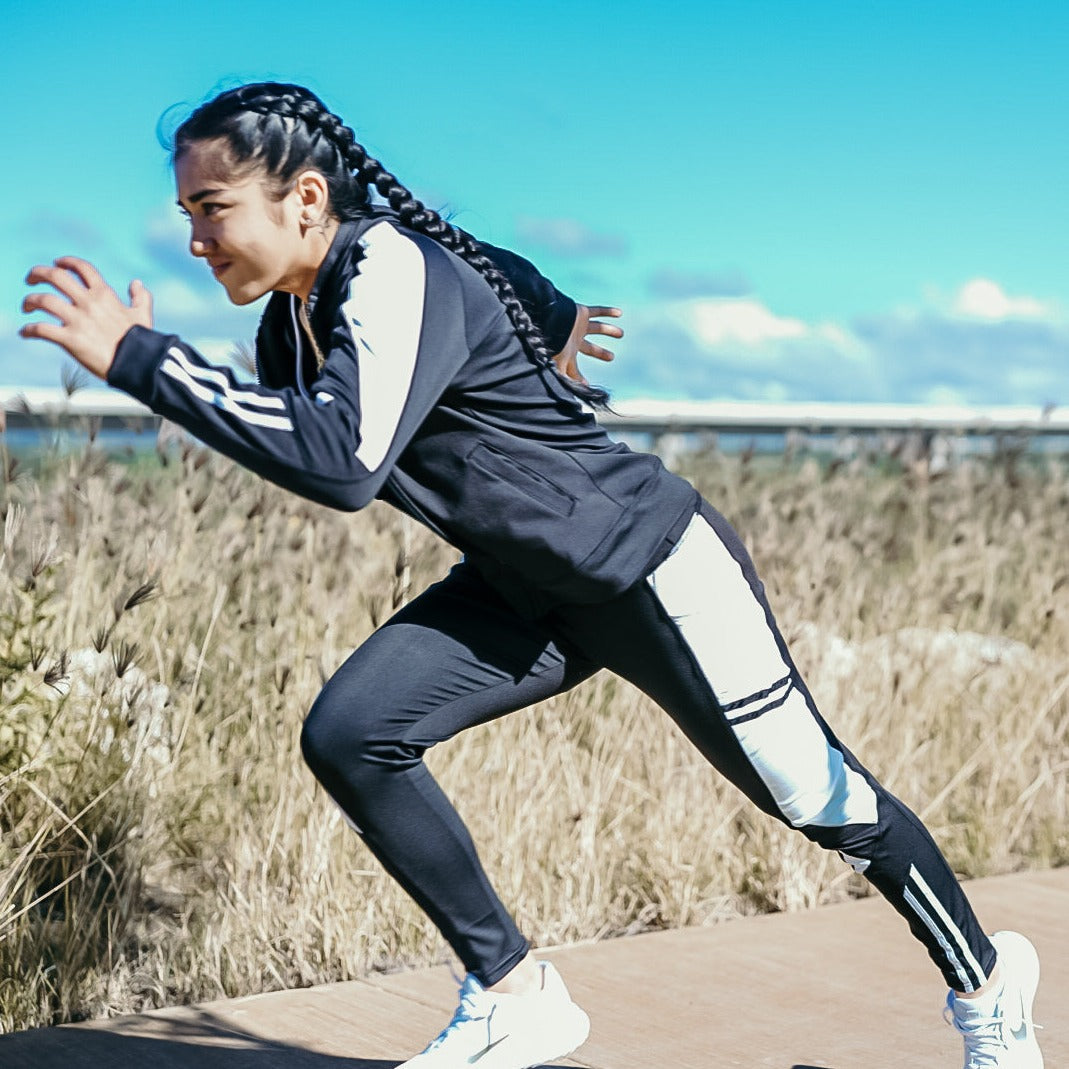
284	129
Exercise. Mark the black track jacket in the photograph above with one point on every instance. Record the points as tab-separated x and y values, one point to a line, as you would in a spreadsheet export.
428	400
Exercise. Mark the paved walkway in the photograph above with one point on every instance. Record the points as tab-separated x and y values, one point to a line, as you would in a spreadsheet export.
786	991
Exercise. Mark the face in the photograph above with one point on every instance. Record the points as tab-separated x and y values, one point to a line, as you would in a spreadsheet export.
252	242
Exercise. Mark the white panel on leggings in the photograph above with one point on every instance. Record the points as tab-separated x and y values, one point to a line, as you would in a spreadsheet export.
808	778
703	589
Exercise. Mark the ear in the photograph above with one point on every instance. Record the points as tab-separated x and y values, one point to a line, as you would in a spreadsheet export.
313	197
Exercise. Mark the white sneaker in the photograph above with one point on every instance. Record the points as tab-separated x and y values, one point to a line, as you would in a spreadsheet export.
495	1031
998	1029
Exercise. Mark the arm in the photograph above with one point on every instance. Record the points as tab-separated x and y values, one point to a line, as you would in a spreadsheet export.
552	311
380	378
302	445
565	325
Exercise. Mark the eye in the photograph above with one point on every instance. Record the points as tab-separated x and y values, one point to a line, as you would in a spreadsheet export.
210	208
184	213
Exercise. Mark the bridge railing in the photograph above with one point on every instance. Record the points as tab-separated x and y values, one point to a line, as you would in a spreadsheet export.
109	409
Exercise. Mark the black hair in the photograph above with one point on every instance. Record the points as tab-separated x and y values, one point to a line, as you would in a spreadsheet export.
285	129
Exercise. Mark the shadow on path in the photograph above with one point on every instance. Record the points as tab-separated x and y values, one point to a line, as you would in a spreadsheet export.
203	1042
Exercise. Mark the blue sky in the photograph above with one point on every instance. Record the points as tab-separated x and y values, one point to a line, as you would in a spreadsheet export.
791	201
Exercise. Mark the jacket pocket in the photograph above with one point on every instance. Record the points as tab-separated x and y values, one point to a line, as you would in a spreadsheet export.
540	526
519	477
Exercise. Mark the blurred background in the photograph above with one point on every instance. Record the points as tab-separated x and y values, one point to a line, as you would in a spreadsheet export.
829	201
836	226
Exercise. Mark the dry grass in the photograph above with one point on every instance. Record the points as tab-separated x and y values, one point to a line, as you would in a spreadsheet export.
163	630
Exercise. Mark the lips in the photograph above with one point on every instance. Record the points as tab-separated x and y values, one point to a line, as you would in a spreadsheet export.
219	268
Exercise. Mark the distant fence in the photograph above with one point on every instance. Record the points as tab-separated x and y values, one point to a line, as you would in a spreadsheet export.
658	422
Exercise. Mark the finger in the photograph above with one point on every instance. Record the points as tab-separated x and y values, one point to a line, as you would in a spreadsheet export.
140	296
604	310
63	281
573	372
45	331
590	349
83	269
47	302
611	329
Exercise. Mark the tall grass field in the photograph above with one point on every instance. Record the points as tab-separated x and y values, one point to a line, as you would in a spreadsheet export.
164	627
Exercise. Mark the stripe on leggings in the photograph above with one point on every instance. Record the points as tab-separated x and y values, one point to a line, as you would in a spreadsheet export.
946	933
722	621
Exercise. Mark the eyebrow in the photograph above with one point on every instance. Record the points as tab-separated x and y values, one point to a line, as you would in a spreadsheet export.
200	196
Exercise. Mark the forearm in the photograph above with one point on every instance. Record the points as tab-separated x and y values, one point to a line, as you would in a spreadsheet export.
302	444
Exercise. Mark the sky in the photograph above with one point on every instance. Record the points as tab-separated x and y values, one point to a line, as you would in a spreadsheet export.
819	201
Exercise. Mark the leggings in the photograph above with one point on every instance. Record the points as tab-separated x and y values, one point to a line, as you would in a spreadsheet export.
698	637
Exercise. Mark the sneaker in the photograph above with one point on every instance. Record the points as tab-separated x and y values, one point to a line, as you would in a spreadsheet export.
997	1028
496	1031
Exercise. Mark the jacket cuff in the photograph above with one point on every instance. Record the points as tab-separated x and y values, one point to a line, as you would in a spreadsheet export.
558	325
137	358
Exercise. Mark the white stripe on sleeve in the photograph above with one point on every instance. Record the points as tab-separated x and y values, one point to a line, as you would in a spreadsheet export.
385	315
212	377
226	399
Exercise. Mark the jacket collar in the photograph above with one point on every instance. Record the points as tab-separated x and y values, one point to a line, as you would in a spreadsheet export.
275	341
344	252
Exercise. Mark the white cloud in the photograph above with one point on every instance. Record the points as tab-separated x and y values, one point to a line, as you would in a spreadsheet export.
719	321
981	298
984	347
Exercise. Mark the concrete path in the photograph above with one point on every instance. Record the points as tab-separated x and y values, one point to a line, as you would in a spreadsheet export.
786	991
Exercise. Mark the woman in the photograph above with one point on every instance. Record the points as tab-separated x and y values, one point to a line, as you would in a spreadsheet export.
396	361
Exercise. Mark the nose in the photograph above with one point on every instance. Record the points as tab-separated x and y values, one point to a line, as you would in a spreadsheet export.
199	243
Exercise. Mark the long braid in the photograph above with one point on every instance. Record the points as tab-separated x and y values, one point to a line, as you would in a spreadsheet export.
415	215
351	192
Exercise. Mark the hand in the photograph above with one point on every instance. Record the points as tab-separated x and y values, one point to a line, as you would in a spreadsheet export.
92	317
567	359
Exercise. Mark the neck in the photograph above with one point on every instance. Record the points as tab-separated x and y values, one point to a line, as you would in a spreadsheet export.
318	241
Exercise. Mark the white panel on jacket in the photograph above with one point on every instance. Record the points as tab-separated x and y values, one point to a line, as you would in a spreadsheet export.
385	314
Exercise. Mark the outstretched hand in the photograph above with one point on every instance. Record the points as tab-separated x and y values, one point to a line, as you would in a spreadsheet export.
92	317
567	360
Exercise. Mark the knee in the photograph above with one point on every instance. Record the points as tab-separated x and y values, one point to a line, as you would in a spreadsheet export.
331	737
316	736
349	740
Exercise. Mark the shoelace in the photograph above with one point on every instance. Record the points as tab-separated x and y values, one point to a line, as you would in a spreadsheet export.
985	1037
470	997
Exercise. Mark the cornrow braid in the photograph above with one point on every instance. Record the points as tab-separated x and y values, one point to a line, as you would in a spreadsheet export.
286	129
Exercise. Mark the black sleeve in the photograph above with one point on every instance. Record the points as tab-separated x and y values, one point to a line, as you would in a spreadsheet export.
553	312
396	343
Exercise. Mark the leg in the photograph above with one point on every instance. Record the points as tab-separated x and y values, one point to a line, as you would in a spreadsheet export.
454	657
700	639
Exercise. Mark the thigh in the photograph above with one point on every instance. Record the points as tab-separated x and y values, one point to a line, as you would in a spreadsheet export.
637	639
455	656
699	637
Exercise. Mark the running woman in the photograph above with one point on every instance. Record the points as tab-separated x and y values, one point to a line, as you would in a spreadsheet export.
400	359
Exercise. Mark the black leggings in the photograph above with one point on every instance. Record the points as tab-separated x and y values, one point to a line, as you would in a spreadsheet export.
698	637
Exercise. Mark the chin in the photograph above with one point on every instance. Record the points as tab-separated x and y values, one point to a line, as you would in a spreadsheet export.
246	294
